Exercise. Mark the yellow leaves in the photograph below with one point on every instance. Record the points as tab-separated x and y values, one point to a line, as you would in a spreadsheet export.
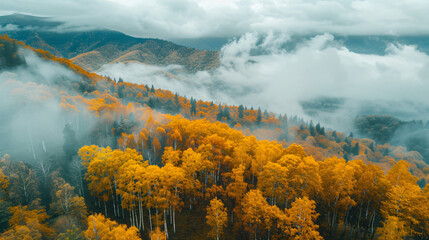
87	153
157	234
27	224
67	106
101	228
171	156
399	174
4	181
103	165
272	181
191	161
296	150
238	187
257	213
68	203
216	217
393	229
300	218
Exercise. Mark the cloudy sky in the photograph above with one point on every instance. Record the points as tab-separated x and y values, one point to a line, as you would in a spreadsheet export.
227	18
255	69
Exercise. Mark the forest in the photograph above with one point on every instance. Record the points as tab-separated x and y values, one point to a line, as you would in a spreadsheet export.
129	161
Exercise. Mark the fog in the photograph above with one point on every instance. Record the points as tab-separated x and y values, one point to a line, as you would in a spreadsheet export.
171	19
31	119
257	70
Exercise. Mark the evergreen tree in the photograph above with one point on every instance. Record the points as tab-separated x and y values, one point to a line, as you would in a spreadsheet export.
240	111
176	99
311	129
356	148
259	117
219	115
70	145
226	113
318	129
193	106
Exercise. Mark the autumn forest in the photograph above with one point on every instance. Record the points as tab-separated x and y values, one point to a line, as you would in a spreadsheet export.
132	161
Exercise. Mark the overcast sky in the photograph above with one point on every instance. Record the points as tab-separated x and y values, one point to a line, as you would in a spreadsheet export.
227	18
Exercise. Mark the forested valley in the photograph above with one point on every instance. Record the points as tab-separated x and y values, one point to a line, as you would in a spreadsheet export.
116	160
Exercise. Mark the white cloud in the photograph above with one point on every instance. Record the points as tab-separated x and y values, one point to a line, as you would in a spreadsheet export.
220	18
9	27
255	71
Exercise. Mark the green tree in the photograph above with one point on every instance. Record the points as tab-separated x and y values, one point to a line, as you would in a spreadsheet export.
70	145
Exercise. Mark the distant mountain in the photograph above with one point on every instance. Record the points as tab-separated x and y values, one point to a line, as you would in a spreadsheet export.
92	49
214	43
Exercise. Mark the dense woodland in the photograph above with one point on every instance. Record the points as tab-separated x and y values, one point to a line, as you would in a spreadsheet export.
143	163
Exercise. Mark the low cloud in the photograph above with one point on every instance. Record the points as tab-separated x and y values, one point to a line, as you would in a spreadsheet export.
256	70
213	18
31	119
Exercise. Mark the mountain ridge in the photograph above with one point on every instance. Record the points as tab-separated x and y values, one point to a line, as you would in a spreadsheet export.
109	46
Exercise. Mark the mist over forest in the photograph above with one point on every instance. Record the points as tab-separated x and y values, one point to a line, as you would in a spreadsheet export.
215	120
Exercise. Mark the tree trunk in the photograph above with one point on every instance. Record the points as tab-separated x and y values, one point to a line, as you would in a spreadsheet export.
165	224
150	220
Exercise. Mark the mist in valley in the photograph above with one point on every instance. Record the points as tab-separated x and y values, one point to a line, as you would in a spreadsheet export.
32	121
257	70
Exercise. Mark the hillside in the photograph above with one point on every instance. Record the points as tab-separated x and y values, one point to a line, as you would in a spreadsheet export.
115	160
92	49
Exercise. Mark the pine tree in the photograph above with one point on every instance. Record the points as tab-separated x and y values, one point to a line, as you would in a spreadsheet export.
70	145
240	111
259	116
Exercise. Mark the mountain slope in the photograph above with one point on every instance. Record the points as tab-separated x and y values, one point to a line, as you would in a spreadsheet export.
93	49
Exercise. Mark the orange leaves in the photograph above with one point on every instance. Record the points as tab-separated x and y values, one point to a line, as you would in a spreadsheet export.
300	218
257	213
238	187
157	234
171	156
393	229
103	165
216	217
101	228
27	224
4	181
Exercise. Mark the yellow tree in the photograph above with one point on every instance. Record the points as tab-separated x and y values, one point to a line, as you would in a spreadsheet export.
257	213
301	217
102	172
216	217
337	188
171	156
404	199
192	164
303	177
265	152
370	187
393	229
171	182
157	234
132	191
27	224
236	188
174	138
272	181
4	181
101	228
68	203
